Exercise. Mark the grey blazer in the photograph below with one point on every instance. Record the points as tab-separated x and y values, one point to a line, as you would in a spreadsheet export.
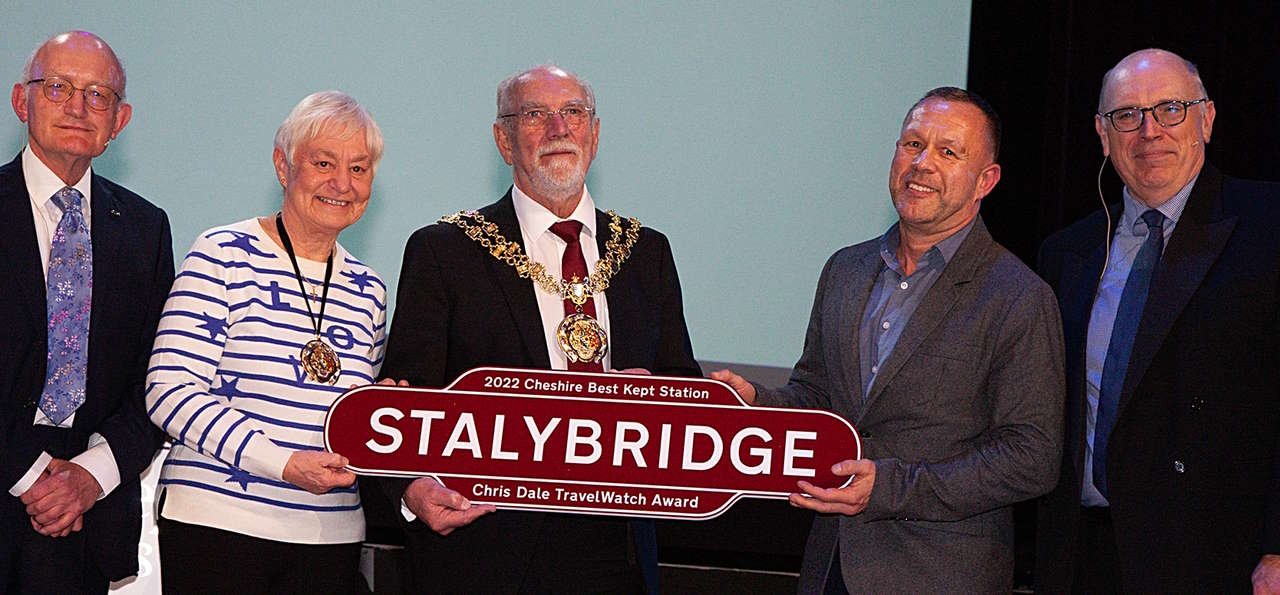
964	420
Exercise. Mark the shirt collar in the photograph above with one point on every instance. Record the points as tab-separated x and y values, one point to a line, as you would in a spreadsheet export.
536	220
945	249
1171	209
42	183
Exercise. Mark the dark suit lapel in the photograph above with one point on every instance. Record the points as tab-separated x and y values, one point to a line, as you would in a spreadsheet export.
626	307
1195	244
108	232
18	243
854	287
518	292
934	307
1077	287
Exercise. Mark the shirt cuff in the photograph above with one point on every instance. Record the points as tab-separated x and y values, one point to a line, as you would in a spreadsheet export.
406	513
32	474
100	463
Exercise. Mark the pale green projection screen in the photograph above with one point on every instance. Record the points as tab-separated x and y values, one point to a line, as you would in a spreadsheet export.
755	135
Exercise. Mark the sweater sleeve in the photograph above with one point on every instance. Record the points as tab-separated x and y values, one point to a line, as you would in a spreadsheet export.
184	360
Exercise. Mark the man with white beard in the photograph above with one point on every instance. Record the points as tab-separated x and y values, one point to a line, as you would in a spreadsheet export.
468	297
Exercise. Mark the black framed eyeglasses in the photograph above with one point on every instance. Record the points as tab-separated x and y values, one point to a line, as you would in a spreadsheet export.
575	116
59	90
1166	113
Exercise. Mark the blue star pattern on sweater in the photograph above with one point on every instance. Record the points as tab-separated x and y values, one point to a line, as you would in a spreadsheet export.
242	241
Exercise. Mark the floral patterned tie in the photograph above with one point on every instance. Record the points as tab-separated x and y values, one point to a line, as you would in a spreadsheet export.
69	285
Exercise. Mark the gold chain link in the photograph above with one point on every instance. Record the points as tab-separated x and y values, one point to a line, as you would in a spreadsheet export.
617	249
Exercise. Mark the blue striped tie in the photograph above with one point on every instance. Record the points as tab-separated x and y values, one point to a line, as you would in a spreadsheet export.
69	284
1128	315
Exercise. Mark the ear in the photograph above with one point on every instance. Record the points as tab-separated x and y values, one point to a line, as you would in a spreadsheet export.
1101	128
595	138
501	139
1206	123
19	100
124	113
282	166
987	181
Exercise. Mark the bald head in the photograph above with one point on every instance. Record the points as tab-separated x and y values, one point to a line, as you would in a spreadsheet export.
1146	63
509	88
82	42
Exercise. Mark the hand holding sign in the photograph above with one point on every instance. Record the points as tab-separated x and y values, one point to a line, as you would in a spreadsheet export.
850	499
441	508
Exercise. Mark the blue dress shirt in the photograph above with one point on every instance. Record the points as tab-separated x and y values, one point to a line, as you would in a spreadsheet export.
895	297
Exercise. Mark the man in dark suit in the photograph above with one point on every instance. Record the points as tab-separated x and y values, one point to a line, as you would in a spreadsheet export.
87	266
1170	478
458	307
944	350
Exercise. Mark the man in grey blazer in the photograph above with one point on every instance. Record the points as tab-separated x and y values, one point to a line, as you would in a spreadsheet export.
945	351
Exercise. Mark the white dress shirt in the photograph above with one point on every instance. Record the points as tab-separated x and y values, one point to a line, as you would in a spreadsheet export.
544	246
42	184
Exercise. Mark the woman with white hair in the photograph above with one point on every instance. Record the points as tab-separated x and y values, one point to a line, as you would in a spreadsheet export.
268	321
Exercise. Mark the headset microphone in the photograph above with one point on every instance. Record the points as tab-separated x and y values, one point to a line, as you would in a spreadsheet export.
1106	259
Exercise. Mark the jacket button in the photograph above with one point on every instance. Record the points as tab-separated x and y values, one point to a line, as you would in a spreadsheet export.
1197	404
1179	467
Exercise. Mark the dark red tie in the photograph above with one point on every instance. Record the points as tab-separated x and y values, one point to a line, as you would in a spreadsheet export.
574	265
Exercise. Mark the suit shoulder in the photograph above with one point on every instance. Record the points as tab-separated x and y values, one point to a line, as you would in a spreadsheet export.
1252	198
854	253
1093	225
129	199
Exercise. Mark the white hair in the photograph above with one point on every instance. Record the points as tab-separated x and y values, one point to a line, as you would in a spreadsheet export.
324	110
508	85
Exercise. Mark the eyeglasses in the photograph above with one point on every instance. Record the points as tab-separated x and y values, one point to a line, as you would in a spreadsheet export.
575	116
1166	113
59	90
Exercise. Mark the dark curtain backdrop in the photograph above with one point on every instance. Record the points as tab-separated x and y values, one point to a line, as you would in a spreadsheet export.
1040	64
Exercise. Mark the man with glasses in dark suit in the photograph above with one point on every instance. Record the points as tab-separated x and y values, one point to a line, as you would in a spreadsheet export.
75	249
1170	302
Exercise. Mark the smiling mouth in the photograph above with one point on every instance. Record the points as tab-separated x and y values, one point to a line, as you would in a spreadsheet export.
333	201
914	187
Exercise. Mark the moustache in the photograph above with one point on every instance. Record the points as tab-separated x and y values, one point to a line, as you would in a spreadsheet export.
559	147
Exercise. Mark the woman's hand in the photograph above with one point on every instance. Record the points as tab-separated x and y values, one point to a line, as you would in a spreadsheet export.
318	471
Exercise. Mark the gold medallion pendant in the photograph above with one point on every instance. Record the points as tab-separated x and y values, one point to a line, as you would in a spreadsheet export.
579	336
582	339
320	362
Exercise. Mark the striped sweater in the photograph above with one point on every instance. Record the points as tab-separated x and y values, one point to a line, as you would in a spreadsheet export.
226	385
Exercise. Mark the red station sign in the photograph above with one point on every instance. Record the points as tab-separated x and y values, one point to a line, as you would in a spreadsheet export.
614	444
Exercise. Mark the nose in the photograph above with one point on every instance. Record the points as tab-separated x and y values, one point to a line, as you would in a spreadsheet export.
1150	127
341	180
556	125
923	160
76	105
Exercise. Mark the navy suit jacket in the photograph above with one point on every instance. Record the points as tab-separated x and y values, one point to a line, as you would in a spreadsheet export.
1193	466
132	272
458	308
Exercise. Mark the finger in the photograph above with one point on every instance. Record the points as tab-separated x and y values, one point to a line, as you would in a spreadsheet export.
387	381
814	491
442	496
403	383
854	467
62	523
39	489
79	524
817	505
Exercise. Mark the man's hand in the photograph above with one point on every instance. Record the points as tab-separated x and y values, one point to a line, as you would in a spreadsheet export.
851	499
441	508
390	382
318	471
1266	576
739	384
56	501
